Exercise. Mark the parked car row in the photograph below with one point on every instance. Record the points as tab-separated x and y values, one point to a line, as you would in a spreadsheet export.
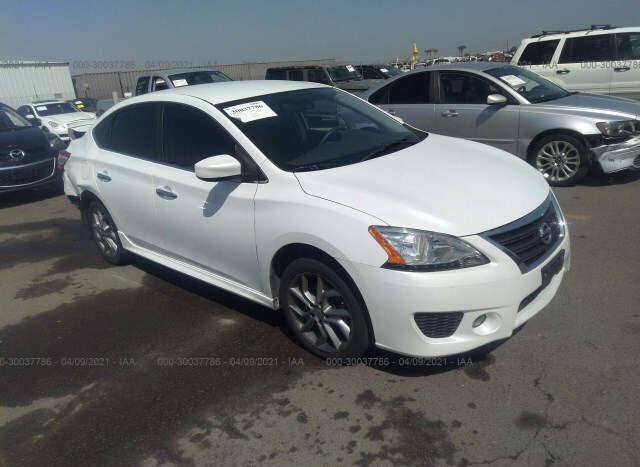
560	133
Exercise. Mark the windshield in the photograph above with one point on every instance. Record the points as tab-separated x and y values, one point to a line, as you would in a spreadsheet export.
529	85
313	129
343	73
55	108
11	120
83	103
390	70
198	77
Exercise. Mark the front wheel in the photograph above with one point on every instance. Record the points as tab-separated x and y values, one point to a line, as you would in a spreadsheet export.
105	234
561	159
322	311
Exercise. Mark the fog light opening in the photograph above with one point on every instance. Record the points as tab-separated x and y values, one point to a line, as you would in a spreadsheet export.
478	321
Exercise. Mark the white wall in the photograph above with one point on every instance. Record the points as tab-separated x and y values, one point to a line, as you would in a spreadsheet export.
24	82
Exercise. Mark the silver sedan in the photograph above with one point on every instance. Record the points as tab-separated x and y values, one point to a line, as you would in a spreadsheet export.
560	133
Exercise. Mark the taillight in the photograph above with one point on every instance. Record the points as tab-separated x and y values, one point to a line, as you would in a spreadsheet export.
63	157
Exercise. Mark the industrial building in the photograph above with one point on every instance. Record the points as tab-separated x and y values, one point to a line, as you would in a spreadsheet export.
22	82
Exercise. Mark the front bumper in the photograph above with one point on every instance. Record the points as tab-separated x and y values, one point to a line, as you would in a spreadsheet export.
499	290
29	175
620	156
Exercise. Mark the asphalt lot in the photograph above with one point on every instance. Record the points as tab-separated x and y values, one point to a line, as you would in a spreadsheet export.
138	365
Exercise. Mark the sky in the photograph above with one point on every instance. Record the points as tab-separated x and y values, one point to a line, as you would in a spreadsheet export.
201	32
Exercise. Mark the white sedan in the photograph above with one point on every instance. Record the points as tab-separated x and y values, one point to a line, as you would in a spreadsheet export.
304	198
59	118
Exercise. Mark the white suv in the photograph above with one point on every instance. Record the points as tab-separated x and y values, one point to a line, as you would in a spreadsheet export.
303	197
601	59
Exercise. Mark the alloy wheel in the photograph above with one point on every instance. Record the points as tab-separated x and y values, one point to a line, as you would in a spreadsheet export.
558	161
103	232
320	312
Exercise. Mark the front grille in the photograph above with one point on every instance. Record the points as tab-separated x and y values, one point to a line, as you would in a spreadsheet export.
438	325
636	162
531	238
26	174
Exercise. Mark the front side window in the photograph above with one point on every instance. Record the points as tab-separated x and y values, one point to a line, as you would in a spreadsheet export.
190	136
462	88
590	48
538	53
315	129
628	46
132	131
25	110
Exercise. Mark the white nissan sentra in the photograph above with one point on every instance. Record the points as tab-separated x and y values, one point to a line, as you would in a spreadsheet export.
362	230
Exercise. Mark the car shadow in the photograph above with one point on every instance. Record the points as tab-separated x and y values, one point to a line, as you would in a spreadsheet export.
596	178
162	277
32	195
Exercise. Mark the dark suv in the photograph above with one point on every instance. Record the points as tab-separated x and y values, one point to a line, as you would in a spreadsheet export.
27	154
344	77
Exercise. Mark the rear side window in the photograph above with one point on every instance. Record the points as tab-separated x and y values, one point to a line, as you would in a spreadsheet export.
142	85
628	46
190	136
132	131
412	89
538	53
595	48
276	74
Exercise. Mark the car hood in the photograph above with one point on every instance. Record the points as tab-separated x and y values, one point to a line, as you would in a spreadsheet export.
71	117
32	141
442	184
598	103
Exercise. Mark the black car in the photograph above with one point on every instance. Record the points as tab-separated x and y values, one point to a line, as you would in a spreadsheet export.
84	104
377	72
27	154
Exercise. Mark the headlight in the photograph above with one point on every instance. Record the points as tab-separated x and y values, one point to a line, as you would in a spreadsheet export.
621	128
56	125
418	250
54	142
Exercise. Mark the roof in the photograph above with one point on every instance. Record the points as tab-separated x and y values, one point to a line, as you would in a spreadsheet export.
216	93
476	66
47	102
177	71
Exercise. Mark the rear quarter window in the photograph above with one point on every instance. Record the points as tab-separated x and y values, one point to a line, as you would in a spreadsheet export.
538	53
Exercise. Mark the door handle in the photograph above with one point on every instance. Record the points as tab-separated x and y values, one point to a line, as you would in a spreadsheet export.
622	68
449	113
103	176
564	71
166	193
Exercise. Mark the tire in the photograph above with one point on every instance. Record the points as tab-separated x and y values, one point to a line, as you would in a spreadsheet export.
561	159
334	328
105	234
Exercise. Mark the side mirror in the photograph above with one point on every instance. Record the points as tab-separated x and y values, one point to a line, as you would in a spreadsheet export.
35	121
217	168
496	99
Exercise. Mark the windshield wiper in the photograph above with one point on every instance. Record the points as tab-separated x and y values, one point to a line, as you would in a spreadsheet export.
316	166
379	151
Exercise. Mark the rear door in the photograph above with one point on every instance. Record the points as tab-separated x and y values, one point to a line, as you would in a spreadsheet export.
625	78
585	63
463	112
122	169
410	98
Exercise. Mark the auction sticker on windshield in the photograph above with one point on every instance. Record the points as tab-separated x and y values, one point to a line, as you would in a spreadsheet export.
250	111
180	82
513	80
41	108
350	68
